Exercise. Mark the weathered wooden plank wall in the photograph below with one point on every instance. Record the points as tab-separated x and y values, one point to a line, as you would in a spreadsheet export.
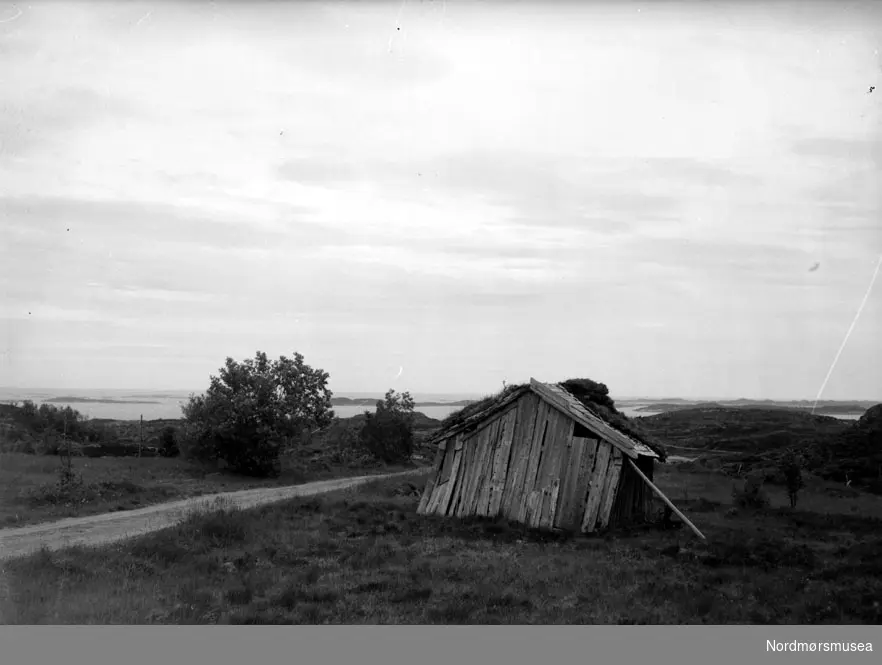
565	517
482	496
595	486
430	484
501	461
453	478
560	430
610	487
528	407
526	499
526	464
472	457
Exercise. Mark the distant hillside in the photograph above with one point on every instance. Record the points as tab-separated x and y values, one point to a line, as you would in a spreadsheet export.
832	448
855	454
741	429
826	407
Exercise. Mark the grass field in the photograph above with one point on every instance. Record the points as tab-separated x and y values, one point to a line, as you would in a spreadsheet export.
29	490
364	556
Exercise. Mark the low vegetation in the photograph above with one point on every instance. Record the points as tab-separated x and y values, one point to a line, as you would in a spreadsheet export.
364	556
260	424
387	434
748	440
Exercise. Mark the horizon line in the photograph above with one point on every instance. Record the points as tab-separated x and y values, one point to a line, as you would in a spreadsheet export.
379	394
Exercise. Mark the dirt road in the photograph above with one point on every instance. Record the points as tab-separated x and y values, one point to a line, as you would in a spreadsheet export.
110	527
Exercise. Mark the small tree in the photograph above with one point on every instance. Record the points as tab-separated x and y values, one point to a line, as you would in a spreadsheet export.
253	410
388	433
790	467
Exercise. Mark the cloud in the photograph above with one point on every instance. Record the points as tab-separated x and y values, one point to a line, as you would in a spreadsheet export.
34	117
857	152
52	221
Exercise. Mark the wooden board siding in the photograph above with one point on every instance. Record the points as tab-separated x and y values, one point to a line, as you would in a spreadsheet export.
634	503
437	492
479	450
595	486
465	471
610	488
550	453
565	478
447	464
435	500
549	504
542	482
429	489
442	479
625	506
482	442
474	450
564	474
583	479
483	495
536	444
454	471
456	481
501	462
427	494
566	517
526	418
556	448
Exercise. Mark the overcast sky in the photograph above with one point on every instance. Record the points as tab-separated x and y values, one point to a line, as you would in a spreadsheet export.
631	192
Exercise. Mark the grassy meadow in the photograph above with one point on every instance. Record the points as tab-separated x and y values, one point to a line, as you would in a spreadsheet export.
30	492
364	556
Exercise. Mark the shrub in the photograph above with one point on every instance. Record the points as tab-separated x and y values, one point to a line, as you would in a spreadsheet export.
591	391
48	443
790	467
168	442
255	409
750	495
388	433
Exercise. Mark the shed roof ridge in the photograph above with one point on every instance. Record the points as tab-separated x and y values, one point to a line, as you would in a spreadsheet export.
581	414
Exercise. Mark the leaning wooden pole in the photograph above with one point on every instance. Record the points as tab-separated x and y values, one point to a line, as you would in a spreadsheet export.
666	500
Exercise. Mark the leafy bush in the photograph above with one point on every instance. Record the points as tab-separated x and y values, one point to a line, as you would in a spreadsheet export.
388	433
790	467
254	410
168	442
750	494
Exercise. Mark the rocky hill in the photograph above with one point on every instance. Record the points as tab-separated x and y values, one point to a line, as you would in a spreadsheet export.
741	429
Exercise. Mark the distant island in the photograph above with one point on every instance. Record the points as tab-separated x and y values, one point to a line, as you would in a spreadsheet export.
91	400
372	401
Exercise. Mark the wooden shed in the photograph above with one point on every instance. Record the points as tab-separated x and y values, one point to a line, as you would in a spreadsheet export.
538	456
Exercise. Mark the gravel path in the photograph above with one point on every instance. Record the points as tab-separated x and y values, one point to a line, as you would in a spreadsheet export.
110	527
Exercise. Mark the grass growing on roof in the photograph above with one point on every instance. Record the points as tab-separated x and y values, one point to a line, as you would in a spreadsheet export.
458	417
595	397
